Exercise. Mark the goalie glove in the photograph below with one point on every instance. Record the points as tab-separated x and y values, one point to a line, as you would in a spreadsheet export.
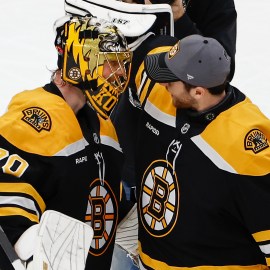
57	242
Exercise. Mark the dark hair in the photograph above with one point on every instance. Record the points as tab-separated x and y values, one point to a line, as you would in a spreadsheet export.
188	86
213	90
218	89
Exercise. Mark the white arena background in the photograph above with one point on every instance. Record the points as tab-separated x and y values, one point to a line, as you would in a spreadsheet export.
27	52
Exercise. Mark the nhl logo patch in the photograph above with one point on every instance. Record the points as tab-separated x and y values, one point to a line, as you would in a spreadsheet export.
256	141
37	118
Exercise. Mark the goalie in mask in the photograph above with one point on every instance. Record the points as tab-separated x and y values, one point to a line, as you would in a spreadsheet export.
60	151
94	57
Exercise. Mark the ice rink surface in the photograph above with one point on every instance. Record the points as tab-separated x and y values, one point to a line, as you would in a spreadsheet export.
27	52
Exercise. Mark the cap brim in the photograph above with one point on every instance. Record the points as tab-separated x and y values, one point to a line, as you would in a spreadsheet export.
157	70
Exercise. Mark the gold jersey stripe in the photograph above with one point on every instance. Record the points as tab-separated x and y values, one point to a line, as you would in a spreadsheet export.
262	236
159	95
16	201
107	140
121	191
14	211
108	134
160	114
155	264
107	128
25	189
144	91
72	148
161	98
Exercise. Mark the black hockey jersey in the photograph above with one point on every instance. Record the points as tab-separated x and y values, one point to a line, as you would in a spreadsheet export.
53	159
204	183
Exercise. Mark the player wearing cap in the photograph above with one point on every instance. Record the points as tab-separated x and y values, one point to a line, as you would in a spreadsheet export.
60	151
145	27
203	161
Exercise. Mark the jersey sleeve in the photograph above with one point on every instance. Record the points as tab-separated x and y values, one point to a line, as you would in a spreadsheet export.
245	152
33	133
21	205
251	195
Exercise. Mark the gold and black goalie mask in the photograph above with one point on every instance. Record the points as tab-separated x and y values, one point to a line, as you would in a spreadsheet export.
94	57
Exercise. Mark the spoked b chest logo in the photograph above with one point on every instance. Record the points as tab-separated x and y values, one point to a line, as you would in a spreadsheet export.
102	215
159	198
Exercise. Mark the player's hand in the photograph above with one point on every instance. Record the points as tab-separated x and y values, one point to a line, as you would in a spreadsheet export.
177	9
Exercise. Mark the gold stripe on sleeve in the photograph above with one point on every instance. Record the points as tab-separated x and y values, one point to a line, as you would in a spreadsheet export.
23	188
14	211
262	236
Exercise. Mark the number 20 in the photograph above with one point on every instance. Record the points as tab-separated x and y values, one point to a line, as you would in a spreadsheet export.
7	167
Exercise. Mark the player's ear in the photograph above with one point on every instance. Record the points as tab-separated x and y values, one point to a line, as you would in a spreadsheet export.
198	92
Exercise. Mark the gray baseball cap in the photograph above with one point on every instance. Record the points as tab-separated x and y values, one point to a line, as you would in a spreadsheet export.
197	60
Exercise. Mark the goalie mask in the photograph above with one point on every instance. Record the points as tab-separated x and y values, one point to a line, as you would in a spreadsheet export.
94	56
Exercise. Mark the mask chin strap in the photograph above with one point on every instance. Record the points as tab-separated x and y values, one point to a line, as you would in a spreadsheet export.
87	85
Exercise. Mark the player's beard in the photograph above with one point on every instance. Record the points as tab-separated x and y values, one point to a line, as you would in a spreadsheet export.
184	102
